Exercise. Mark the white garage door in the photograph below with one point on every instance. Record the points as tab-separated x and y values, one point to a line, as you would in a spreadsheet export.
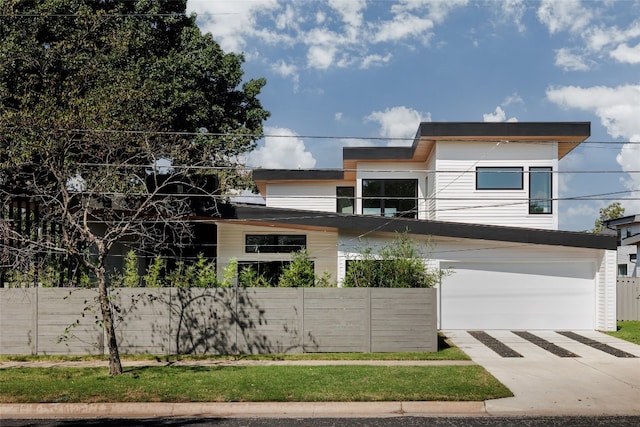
518	296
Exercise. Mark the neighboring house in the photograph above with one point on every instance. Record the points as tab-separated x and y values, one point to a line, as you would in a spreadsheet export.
485	197
628	232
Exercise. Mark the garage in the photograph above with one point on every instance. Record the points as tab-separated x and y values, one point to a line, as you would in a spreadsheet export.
519	295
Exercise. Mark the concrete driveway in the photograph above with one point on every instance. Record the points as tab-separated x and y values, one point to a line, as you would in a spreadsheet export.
552	382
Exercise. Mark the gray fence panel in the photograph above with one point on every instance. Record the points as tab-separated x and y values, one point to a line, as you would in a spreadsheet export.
270	320
403	321
203	321
628	298
222	321
18	321
69	321
143	320
336	320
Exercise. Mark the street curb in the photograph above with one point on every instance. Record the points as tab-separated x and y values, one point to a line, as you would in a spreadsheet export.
241	410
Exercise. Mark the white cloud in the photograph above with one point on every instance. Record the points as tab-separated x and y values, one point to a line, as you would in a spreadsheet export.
624	53
338	117
497	116
617	107
287	70
629	161
514	98
598	38
513	10
375	59
619	110
283	150
398	122
321	57
567	15
569	61
402	26
230	22
350	10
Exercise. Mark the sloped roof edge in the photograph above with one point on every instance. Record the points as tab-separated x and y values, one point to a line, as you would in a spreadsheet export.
364	223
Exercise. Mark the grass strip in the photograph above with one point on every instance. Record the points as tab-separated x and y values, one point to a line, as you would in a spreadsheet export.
446	351
628	330
250	384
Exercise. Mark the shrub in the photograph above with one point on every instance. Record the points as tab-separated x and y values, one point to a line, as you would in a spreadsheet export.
397	264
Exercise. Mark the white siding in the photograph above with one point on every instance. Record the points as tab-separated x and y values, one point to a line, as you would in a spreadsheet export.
432	180
606	292
459	201
304	196
321	246
398	170
624	257
586	275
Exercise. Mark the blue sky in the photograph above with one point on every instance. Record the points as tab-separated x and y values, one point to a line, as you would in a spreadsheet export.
376	68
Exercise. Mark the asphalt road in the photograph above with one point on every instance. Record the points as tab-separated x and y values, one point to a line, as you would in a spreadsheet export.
338	422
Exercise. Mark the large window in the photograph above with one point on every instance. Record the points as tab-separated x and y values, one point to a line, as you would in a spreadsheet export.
540	190
345	197
499	178
390	197
270	271
274	243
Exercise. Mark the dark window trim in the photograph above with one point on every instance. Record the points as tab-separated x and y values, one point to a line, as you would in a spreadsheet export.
506	169
383	196
276	245
541	169
352	197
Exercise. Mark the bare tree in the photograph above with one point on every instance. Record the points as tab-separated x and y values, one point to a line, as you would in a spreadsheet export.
110	115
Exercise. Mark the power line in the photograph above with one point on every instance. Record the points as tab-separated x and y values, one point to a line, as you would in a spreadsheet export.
344	138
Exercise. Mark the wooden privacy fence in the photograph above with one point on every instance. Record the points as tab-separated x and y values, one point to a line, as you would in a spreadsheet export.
628	298
220	320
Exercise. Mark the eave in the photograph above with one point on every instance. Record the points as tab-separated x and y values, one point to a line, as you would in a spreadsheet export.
267	216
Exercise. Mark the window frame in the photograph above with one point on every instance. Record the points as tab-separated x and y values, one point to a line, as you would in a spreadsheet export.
382	197
276	246
623	270
351	198
499	170
541	170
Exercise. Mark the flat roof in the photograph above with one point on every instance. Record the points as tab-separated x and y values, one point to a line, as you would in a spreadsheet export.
263	215
568	134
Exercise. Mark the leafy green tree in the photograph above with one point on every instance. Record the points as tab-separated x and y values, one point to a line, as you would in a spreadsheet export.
109	111
613	211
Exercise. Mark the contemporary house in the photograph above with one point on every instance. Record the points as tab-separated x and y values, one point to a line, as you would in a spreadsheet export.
485	197
628	232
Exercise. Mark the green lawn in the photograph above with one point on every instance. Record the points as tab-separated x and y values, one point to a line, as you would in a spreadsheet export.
628	330
250	384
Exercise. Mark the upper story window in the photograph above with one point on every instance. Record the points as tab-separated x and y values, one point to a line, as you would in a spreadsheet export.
274	243
622	269
345	197
390	197
540	190
499	178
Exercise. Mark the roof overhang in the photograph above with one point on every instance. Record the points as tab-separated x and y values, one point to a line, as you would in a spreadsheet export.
267	216
625	220
631	240
568	135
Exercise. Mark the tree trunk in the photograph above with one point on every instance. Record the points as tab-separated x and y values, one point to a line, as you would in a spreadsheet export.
115	367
